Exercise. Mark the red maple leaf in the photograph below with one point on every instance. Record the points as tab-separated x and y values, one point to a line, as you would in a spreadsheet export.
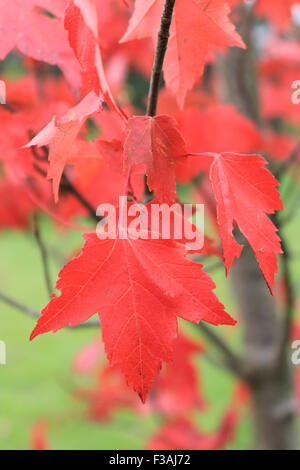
16	208
88	357
39	438
235	133
23	25
246	192
110	394
138	287
181	434
61	137
82	26
176	389
157	143
195	31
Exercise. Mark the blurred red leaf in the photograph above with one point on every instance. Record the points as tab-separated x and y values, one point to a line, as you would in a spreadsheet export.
24	26
187	49
143	299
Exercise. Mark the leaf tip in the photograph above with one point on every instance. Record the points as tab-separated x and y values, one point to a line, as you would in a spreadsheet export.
34	334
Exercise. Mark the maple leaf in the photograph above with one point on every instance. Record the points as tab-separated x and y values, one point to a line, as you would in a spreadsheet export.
24	26
177	387
82	26
156	143
88	357
111	393
99	175
61	137
235	133
195	31
112	152
138	287
246	192
16	208
39	437
181	434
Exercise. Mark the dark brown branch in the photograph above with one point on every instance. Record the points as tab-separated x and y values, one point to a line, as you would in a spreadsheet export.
43	252
162	43
71	189
66	184
9	108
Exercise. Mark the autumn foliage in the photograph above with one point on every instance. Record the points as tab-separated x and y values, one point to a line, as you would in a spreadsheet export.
73	138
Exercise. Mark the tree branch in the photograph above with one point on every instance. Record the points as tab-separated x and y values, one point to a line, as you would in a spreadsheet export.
19	306
71	189
161	48
231	360
31	312
43	252
66	184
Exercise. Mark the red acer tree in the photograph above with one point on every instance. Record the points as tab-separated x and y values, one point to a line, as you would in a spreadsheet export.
220	130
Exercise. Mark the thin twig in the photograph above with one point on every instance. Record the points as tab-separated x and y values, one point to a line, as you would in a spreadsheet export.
23	308
231	359
161	48
31	312
43	252
9	108
216	362
68	186
213	267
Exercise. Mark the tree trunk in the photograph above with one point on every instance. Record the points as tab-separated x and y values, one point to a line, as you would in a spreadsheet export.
271	385
270	382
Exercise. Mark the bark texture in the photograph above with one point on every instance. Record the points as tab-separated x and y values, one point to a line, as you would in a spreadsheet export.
271	385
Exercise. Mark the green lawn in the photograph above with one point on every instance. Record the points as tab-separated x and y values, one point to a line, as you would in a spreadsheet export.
37	380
